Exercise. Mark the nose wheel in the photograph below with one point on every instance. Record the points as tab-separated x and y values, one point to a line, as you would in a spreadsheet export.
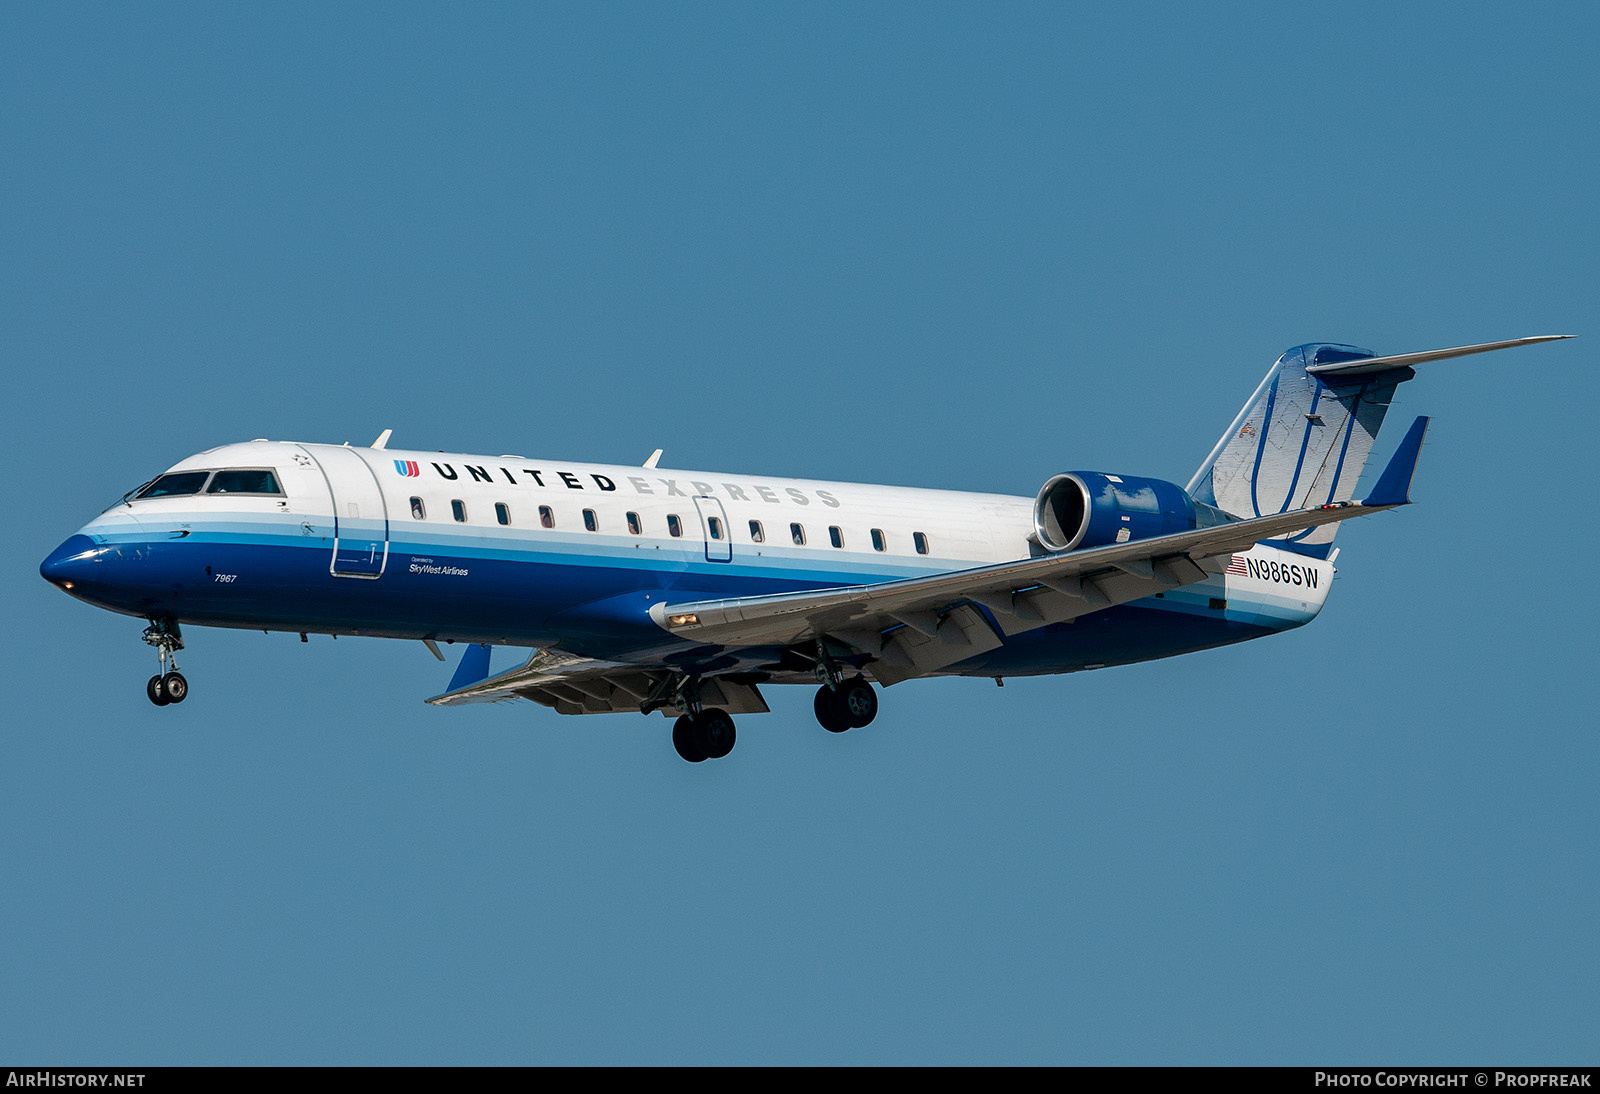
169	685
170	688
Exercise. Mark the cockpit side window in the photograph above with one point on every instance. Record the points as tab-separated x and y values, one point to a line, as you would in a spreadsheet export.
244	480
176	484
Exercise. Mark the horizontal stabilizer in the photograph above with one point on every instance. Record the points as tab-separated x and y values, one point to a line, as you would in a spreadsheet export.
1365	365
1394	485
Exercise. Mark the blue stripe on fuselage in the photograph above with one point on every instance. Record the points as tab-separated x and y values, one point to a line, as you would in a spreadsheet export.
587	593
269	575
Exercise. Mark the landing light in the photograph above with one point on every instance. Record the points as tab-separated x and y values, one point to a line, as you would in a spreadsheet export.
66	584
682	620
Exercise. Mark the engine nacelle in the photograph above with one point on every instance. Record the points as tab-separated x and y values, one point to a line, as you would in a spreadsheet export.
1090	509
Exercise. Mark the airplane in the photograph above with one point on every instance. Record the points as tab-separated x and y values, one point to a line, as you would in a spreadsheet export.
649	589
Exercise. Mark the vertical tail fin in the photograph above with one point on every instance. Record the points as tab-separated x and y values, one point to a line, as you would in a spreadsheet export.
1304	437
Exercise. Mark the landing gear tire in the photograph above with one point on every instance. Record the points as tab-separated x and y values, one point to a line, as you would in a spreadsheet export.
851	705
706	736
716	732
829	716
857	702
168	685
686	739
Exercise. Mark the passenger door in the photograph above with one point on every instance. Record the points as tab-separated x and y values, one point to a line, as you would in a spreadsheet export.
714	528
360	514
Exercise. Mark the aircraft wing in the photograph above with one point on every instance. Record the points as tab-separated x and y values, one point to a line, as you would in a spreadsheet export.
570	684
915	626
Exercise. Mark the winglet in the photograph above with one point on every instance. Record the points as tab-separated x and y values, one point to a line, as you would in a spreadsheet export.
654	456
1394	485
474	667
383	439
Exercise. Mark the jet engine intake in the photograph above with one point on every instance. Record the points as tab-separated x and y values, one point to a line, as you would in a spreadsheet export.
1091	509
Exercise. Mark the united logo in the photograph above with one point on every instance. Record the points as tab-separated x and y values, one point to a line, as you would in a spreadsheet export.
406	469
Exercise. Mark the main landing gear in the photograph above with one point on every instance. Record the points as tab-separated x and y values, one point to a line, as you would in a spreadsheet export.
700	733
708	735
850	705
841	704
168	685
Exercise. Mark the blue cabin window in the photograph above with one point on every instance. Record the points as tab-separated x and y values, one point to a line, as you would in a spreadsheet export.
878	543
502	512
921	542
458	509
758	534
635	527
835	535
418	510
674	525
547	517
798	534
590	521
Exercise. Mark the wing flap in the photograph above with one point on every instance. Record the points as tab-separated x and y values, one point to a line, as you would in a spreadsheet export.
546	677
906	619
569	684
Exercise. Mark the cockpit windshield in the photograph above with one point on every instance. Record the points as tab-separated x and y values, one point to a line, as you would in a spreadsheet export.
230	480
175	484
251	480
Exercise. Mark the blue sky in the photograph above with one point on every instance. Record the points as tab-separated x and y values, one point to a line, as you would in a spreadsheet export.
936	245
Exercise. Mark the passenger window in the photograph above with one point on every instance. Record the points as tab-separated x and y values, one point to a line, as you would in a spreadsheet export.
547	517
835	536
502	512
634	527
757	533
877	540
798	534
458	509
714	526
674	525
256	480
921	542
590	521
418	510
176	484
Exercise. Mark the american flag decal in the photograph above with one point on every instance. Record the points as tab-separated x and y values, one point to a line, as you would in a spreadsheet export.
1237	566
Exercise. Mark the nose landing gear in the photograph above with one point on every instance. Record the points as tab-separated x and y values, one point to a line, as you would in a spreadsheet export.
168	685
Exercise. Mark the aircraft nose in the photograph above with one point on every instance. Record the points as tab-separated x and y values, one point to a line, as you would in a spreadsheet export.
70	563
